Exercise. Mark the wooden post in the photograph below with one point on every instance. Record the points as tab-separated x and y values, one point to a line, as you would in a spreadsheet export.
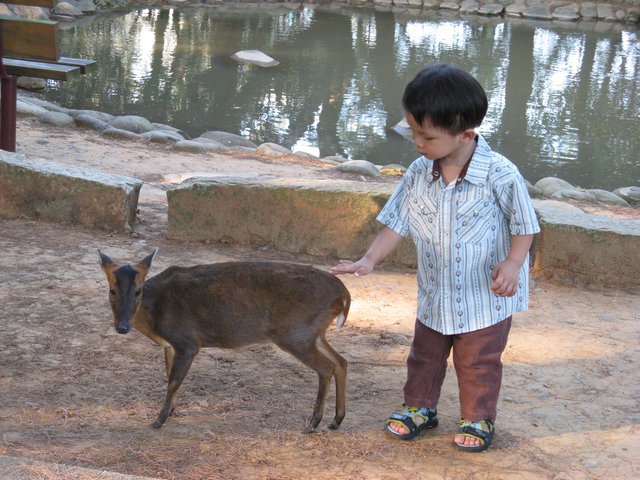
8	105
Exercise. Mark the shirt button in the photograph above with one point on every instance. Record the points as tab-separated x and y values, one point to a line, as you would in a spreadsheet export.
460	325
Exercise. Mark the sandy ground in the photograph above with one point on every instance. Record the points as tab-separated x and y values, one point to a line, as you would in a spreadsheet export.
75	392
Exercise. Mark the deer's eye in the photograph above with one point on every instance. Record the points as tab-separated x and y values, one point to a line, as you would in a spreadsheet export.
112	292
138	292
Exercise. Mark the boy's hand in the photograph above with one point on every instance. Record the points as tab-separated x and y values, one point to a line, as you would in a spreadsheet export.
505	278
359	268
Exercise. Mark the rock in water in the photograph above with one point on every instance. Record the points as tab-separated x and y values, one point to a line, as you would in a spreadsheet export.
256	57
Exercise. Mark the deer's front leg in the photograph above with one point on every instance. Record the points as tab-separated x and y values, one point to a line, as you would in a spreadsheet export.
181	363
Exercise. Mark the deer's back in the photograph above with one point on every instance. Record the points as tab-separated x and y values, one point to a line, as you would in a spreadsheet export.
235	303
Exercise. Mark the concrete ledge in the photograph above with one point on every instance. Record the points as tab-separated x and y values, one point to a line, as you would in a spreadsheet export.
334	219
337	219
588	248
62	193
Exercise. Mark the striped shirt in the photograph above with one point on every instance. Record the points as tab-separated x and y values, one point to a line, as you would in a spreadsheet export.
461	233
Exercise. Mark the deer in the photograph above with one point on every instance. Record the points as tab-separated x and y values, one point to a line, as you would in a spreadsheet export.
233	305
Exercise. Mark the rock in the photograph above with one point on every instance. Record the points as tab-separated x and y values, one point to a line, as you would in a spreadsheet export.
162	136
538	10
46	105
57	119
169	128
194	146
589	10
534	191
24	11
304	154
105	117
605	11
85	6
359	167
574	194
209	142
31	83
516	9
632	18
402	128
550	185
449	6
89	121
229	139
255	57
119	133
273	150
26	108
393	169
469	6
491	9
630	194
554	204
131	123
66	8
607	197
566	12
335	159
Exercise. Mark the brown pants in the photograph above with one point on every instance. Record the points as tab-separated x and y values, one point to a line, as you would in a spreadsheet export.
476	357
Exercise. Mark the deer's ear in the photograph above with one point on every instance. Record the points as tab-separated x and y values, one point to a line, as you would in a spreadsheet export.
146	261
107	266
105	261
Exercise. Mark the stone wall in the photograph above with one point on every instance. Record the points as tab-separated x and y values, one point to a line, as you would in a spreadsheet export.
61	193
335	221
338	221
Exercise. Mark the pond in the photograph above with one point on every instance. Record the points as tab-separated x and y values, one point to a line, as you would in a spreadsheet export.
564	97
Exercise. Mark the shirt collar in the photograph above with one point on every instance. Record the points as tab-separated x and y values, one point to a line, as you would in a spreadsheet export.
476	170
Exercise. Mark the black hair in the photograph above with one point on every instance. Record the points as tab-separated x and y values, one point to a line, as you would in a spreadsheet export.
449	97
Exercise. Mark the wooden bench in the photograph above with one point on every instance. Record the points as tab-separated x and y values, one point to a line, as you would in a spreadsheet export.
29	48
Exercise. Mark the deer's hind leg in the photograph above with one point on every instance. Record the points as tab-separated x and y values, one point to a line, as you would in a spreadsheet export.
340	374
315	355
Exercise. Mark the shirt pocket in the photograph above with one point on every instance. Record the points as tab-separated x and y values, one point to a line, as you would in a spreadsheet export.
475	219
423	218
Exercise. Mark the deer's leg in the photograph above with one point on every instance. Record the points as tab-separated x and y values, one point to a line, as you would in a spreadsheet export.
340	374
310	355
181	363
169	352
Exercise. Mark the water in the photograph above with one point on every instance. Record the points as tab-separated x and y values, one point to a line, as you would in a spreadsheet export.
564	98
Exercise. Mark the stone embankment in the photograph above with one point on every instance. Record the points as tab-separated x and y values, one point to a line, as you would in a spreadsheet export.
614	11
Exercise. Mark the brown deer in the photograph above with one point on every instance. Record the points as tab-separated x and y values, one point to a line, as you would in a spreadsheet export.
232	305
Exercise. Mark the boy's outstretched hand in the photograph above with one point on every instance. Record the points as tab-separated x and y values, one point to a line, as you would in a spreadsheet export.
359	268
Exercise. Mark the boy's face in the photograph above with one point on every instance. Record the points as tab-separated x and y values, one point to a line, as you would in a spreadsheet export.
433	142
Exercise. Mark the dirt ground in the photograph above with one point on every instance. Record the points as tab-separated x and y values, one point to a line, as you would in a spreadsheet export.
75	392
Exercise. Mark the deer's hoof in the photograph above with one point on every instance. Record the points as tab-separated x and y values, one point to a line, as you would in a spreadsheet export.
156	425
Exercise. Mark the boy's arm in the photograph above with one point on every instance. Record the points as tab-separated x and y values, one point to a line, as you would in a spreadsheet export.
386	241
505	274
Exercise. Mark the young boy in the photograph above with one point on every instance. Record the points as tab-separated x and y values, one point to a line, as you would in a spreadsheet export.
470	216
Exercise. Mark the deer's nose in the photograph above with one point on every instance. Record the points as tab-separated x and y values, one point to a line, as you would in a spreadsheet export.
123	328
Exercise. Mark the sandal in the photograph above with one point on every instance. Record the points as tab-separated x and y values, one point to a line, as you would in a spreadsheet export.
475	430
407	420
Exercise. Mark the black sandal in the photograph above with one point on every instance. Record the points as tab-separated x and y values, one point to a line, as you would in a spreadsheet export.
407	420
475	430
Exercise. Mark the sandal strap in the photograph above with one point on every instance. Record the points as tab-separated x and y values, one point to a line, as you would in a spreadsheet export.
405	420
475	430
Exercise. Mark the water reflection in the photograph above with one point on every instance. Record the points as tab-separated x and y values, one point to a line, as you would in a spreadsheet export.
563	98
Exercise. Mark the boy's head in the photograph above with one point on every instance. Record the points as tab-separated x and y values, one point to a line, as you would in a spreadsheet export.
448	97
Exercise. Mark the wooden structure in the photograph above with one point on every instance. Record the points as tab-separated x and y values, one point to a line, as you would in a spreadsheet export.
29	48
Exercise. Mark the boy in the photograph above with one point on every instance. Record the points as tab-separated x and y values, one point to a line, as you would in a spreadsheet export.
471	219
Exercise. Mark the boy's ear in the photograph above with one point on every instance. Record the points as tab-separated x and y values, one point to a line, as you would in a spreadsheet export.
469	134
